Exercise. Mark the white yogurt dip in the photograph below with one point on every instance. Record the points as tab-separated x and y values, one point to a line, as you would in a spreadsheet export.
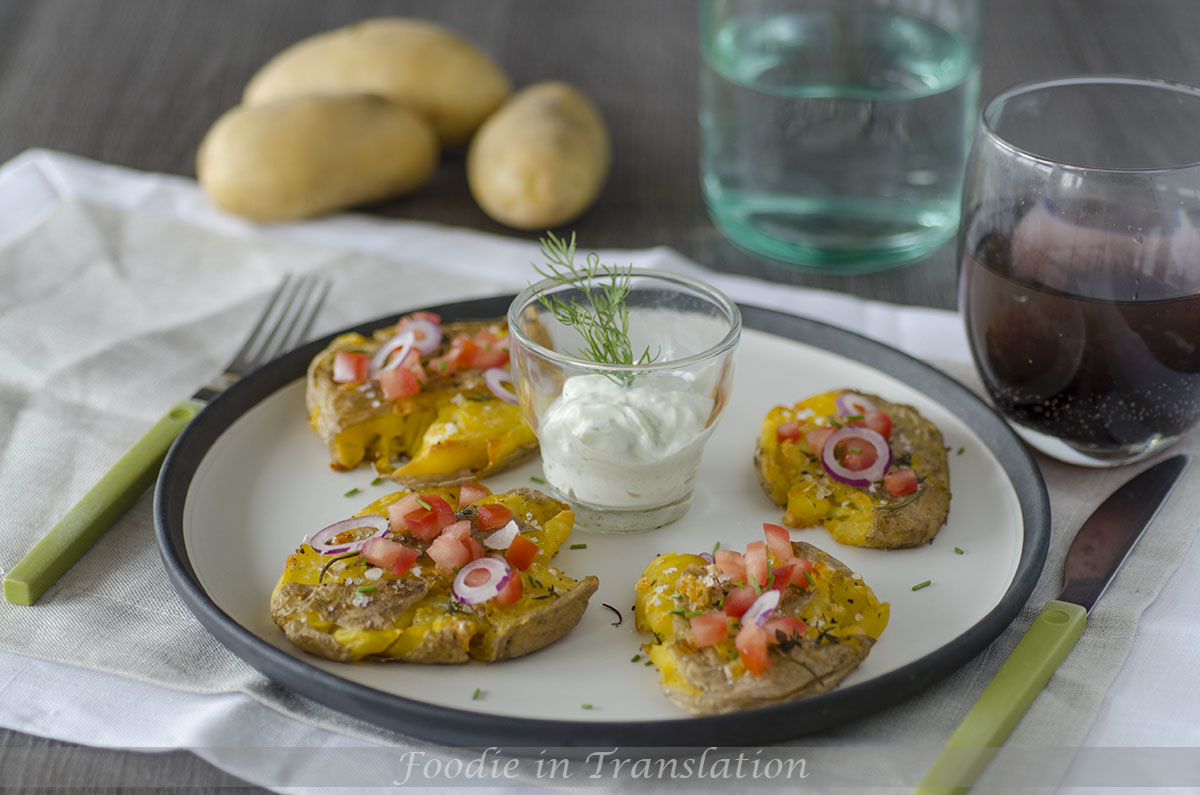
625	447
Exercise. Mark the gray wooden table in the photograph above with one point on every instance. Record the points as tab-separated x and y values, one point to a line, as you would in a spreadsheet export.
137	83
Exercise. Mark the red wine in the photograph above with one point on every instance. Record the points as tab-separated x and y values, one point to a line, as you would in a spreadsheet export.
1088	336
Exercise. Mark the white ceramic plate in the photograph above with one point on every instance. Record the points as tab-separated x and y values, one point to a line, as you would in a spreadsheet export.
249	479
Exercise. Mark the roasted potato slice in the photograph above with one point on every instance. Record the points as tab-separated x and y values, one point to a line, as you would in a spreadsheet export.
344	608
453	429
789	468
821	630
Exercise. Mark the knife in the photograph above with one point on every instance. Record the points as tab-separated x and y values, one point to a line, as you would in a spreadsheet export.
1099	549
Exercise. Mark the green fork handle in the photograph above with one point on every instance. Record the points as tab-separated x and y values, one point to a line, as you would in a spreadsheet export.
107	501
1043	646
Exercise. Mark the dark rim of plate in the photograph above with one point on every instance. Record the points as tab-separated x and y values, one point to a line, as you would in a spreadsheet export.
746	728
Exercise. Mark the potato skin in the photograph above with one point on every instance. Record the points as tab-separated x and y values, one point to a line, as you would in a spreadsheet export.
542	159
429	68
302	157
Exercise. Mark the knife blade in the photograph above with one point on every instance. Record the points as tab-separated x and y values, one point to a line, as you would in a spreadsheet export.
1100	547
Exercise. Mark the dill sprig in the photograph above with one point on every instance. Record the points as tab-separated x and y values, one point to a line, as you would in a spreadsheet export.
602	319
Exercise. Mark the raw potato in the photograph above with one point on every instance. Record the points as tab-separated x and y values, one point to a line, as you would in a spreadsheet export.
303	157
431	69
541	160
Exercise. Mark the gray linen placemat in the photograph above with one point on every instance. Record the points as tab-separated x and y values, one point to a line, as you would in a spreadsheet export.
107	317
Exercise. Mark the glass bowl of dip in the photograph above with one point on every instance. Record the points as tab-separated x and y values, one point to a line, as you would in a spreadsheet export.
622	443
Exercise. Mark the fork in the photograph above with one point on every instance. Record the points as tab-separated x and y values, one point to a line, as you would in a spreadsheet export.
284	322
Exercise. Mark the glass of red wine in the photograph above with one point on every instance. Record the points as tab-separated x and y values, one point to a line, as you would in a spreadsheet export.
1080	264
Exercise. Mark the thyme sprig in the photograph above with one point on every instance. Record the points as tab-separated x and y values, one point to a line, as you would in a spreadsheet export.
602	318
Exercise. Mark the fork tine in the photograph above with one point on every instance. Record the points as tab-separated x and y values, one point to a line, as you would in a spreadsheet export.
283	323
249	348
302	317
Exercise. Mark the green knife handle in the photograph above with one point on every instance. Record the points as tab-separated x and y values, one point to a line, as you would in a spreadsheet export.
1005	700
107	501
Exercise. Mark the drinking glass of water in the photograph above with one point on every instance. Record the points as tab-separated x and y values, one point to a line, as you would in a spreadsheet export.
1080	280
834	132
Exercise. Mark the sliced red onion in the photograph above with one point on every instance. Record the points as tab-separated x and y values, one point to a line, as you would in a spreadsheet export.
861	477
498	575
502	538
430	334
321	541
760	609
402	342
496	378
708	558
851	403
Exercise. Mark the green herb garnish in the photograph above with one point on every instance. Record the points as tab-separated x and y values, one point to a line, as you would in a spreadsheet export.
376	481
961	450
909	500
424	504
921	585
365	589
586	706
602	318
635	658
351	493
475	696
579	546
537	480
958	551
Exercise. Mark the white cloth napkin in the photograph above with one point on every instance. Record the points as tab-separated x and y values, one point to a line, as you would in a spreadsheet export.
105	269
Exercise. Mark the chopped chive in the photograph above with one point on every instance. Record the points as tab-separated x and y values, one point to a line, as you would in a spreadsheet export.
648	663
635	658
856	449
960	450
424	504
579	546
537	480
835	423
854	416
586	706
921	585
442	367
352	492
958	551
757	587
716	546
475	696
376	481
808	576
365	589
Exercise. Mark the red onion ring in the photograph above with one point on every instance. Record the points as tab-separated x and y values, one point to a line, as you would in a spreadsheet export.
851	403
496	377
760	609
431	334
861	477
499	574
402	342
319	542
502	538
708	558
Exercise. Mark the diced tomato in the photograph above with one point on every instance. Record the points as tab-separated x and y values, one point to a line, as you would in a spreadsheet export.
900	482
751	643
816	438
383	552
442	365
475	548
412	363
879	422
801	567
471	492
511	591
732	564
426	523
399	509
460	530
405	560
788	432
491	516
739	600
708	629
779	541
781	576
855	454
756	562
349	368
490	356
398	383
448	553
521	552
464	353
785	626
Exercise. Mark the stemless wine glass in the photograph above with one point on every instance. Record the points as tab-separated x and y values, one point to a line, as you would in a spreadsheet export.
1080	264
